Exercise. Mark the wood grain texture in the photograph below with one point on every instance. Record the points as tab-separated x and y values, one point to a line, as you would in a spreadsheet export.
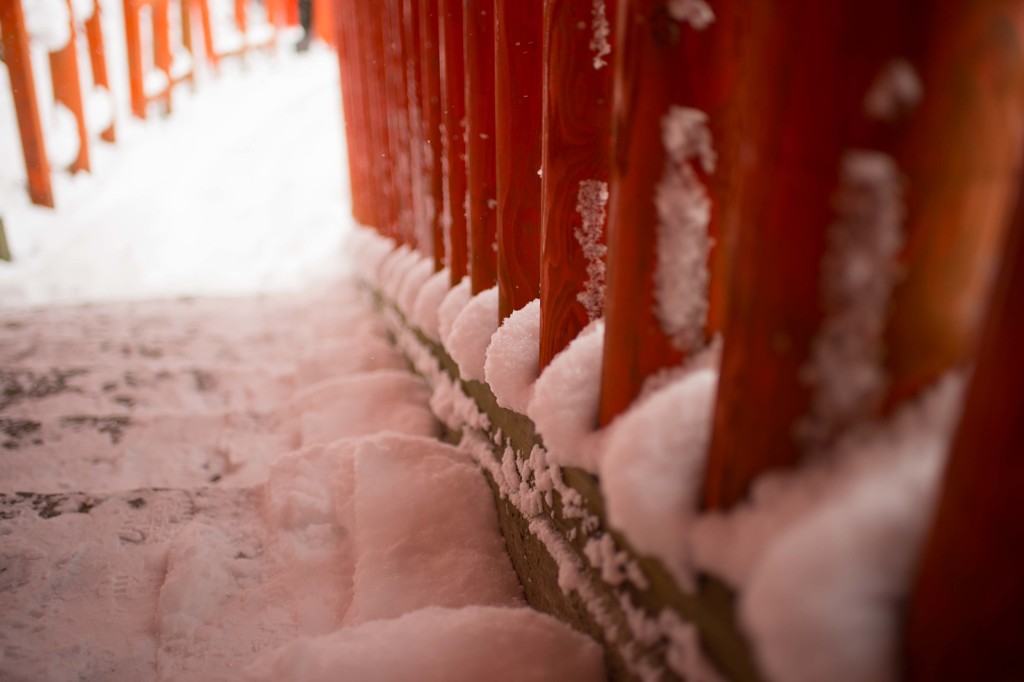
348	48
480	161
412	58
519	28
576	149
660	63
809	71
430	106
967	612
453	105
26	104
397	111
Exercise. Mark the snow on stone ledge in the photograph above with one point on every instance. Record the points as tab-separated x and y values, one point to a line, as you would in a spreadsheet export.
471	334
513	358
426	307
442	645
652	471
565	401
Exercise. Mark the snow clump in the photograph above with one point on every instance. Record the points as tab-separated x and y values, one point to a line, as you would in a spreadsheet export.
428	301
471	334
513	358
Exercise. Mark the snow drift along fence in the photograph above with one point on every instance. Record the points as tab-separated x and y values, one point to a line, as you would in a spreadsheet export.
826	187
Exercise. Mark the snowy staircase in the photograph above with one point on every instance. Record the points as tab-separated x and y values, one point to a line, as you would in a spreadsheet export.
245	489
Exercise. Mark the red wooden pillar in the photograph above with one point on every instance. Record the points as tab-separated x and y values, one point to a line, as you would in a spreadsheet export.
453	105
871	211
356	129
397	111
430	107
576	145
518	95
379	115
672	168
26	105
967	612
67	90
98	62
480	168
412	57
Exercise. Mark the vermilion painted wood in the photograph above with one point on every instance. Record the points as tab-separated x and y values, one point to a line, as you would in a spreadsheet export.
412	50
967	611
398	120
67	90
453	104
518	96
809	69
430	106
378	98
98	62
133	42
576	147
480	161
354	123
660	63
323	21
26	106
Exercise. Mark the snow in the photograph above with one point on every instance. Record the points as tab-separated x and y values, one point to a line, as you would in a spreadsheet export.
471	333
652	470
48	23
566	398
602	30
513	358
451	305
425	308
412	283
591	204
684	211
896	91
443	645
260	198
266	492
697	13
859	273
62	143
850	522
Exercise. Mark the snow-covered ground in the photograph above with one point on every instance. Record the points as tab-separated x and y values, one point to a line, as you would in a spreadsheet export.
241	479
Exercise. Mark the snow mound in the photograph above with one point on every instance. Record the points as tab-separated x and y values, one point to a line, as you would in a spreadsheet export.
346	356
566	398
471	334
859	552
442	645
412	283
420	544
425	309
367	250
451	305
362	404
652	471
513	358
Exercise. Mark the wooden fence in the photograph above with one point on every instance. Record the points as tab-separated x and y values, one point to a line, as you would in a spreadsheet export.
826	186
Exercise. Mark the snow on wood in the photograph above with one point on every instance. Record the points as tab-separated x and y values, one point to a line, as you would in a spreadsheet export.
602	31
425	308
591	204
684	209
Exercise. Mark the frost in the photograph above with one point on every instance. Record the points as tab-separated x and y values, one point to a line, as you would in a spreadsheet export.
859	272
684	212
696	13
896	92
599	43
591	203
